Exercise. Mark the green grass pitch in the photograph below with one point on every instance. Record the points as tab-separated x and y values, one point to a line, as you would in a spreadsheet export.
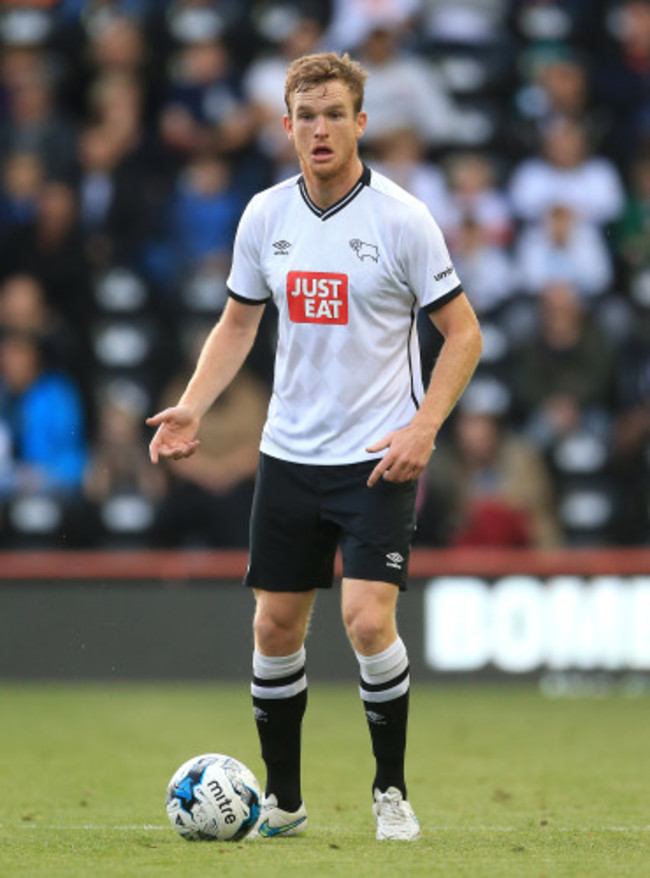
505	783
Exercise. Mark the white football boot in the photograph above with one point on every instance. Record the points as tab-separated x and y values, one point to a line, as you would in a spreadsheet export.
396	820
274	822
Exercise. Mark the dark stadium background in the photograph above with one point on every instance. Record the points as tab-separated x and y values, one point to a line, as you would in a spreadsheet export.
133	132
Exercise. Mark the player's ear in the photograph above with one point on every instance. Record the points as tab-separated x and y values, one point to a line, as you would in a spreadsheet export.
288	127
362	121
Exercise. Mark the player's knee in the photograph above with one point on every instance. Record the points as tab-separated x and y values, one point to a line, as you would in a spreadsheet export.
367	631
276	634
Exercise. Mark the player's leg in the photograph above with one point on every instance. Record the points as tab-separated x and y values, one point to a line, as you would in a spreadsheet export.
368	609
279	689
291	554
377	528
369	616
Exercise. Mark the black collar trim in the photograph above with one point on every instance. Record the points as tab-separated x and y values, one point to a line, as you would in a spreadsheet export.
364	180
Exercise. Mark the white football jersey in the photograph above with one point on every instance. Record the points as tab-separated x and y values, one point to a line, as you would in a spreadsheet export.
348	282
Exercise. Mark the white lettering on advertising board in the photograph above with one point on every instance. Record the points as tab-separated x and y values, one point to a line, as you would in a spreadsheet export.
520	624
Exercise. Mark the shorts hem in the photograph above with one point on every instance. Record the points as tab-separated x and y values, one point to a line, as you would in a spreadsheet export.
284	587
400	583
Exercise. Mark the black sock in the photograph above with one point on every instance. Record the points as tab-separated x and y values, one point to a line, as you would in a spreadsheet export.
387	721
279	704
384	690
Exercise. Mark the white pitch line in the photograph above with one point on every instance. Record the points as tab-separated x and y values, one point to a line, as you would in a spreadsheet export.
149	827
546	827
90	827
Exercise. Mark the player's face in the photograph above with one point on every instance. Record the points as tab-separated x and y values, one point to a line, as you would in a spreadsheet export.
324	128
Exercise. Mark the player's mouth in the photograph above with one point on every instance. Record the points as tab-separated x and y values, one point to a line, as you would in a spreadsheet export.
322	153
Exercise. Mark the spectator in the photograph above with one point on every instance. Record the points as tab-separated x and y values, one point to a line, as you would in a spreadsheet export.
404	91
205	210
43	411
564	374
22	180
208	503
112	201
486	269
33	124
565	87
563	249
116	102
623	75
557	87
633	231
264	89
51	249
119	481
205	106
488	486
352	20
116	46
24	309
632	435
566	174
116	105
473	193
402	156
18	63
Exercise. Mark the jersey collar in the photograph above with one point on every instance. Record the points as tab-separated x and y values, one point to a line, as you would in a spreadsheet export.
364	180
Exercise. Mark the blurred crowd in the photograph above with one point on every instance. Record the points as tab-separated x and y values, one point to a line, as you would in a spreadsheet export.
132	134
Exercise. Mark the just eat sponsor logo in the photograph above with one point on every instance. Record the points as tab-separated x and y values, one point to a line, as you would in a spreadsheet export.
317	297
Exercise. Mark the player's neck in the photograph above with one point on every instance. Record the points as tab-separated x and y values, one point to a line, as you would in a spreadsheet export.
326	192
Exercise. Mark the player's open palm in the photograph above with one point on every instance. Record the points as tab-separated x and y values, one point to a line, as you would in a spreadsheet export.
176	434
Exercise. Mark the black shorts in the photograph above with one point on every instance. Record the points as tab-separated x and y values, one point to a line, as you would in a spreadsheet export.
302	512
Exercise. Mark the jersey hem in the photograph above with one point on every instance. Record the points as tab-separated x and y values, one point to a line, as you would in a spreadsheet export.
246	301
438	303
310	461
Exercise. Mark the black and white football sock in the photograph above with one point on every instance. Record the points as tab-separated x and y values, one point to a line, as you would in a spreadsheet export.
279	691
384	689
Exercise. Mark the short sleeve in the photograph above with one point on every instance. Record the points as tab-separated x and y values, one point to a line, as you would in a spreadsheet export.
429	270
246	280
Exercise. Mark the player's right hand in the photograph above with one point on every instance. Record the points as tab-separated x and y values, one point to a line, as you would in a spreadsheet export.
175	436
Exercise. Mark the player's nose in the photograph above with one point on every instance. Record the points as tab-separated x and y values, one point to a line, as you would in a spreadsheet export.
321	126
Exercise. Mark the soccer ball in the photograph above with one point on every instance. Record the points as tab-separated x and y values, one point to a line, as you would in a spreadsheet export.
213	798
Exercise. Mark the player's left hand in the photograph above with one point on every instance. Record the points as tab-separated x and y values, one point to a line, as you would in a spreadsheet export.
408	452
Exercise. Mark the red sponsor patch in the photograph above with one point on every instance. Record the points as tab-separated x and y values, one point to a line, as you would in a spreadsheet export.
317	297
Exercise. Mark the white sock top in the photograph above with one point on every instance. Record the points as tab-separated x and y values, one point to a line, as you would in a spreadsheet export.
385	665
271	667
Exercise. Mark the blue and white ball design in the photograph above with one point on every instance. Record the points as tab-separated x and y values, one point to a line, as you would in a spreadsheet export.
213	798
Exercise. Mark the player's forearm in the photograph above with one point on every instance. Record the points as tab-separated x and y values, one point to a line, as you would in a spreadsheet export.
222	356
454	367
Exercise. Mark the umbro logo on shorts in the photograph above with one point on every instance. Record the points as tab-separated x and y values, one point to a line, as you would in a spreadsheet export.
394	559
